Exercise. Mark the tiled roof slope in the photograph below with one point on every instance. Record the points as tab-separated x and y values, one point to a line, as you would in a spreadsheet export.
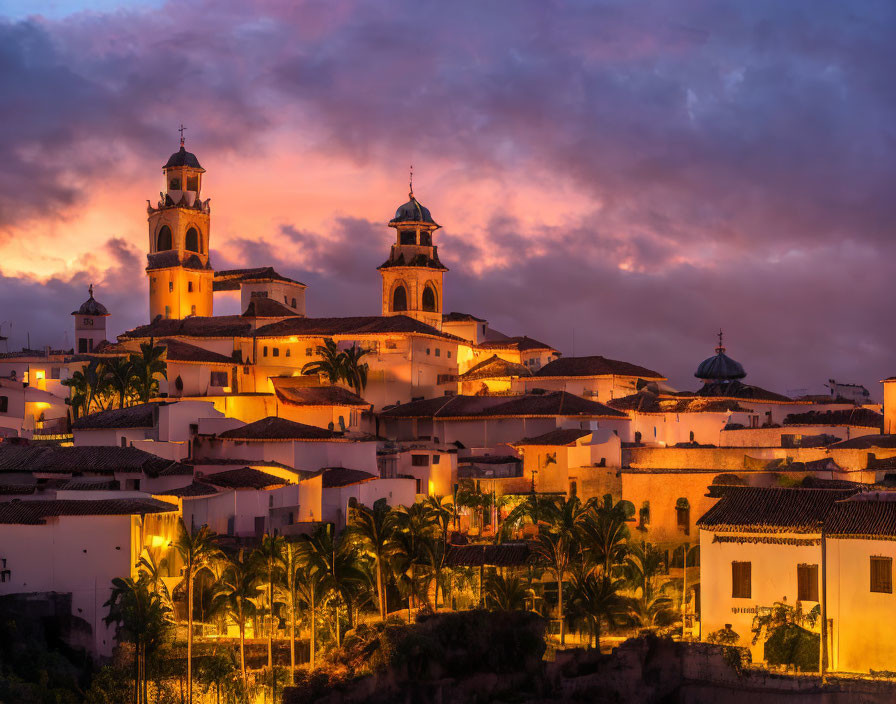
179	351
46	459
362	325
267	308
558	437
273	428
871	515
230	279
140	416
755	509
495	368
243	478
863	417
558	403
194	326
36	512
595	366
318	396
522	343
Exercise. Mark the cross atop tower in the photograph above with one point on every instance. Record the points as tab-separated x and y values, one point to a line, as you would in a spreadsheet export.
411	183
721	347
181	129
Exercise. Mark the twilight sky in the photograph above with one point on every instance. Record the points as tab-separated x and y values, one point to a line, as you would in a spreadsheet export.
616	178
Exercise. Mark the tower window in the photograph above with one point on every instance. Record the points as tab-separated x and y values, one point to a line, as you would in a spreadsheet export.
174	184
429	299
167	311
400	299
426	238
276	351
170	287
192	240
193	183
190	287
4	404
163	241
264	351
293	302
407	237
82	345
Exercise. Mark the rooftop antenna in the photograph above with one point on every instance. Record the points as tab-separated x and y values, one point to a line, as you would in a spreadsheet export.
721	348
411	183
181	129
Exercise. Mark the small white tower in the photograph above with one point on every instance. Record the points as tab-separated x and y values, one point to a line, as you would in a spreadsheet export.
90	324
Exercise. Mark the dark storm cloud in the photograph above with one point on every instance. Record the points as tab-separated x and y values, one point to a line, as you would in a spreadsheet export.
740	156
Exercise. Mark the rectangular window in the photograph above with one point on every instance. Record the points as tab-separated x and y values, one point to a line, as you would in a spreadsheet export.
741	586
882	575
438	352
448	354
419	486
218	379
245	371
276	351
170	287
189	287
427	350
167	312
264	351
420	461
192	183
288	352
4	404
54	373
683	515
436	458
308	351
193	310
807	582
82	345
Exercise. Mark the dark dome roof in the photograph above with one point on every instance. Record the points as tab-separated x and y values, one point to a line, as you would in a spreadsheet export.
413	211
91	307
720	368
183	158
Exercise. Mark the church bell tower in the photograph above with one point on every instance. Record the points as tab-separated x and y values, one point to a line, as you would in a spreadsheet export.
180	275
412	275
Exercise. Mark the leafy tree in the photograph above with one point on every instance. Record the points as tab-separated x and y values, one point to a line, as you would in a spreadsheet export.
141	619
331	362
237	589
372	530
506	593
788	641
197	550
147	367
554	550
267	557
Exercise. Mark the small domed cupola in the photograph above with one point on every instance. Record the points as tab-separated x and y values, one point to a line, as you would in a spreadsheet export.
183	158
720	368
413	211
91	306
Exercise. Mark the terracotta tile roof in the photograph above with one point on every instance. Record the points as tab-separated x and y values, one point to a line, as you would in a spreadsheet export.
502	555
454	317
212	461
595	366
180	351
243	478
44	459
558	437
142	415
230	279
316	395
273	428
755	509
17	489
648	402
196	488
489	459
36	512
194	326
495	368
88	484
872	515
863	417
866	442
523	344
558	403
341	476
267	308
366	325
735	389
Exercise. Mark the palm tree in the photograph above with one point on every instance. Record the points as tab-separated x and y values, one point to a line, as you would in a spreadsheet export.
120	374
651	606
197	550
268	556
80	393
141	619
605	532
153	571
313	585
147	366
595	600
435	552
290	560
354	371
331	362
554	549
372	530
238	589
506	593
